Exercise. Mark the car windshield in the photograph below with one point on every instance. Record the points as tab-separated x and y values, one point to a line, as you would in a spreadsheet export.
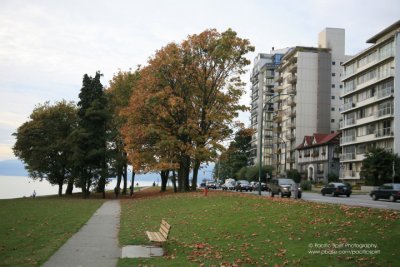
286	181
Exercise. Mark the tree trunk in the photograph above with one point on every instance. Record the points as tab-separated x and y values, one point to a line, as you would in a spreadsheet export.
183	173
125	175
164	180
87	190
174	181
60	186
70	186
102	185
119	177
132	181
195	174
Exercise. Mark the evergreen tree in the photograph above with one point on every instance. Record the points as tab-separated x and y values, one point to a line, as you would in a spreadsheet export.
89	140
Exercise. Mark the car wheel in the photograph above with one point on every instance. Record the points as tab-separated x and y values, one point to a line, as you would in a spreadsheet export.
391	198
323	194
272	194
348	195
374	197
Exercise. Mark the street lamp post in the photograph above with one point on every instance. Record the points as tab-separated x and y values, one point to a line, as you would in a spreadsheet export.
260	135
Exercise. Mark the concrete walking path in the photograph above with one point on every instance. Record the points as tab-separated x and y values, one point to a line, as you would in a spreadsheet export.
96	243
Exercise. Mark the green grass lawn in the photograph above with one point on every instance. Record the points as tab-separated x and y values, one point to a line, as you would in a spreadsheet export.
32	229
226	229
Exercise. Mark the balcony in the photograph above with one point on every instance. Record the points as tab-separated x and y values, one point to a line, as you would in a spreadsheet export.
347	139
290	136
389	91
278	116
290	124
385	112
348	106
291	113
291	90
348	174
292	79
292	68
348	156
291	103
384	132
379	58
277	129
347	123
278	79
278	89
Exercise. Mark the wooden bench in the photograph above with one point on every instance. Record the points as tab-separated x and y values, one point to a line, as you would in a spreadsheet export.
162	235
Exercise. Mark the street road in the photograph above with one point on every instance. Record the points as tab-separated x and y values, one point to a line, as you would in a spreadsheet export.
353	200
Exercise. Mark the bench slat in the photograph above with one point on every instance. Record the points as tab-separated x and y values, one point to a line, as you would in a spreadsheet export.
162	235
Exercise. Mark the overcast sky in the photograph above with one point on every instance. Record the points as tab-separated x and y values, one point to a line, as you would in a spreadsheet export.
47	46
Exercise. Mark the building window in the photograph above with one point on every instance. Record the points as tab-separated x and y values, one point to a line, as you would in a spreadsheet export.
333	62
341	86
332	120
333	74
333	97
333	86
332	109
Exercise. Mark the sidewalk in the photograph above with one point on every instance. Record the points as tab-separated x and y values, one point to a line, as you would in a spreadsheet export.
96	243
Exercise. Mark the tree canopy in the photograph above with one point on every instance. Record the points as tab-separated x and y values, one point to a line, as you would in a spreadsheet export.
377	167
185	103
42	142
89	140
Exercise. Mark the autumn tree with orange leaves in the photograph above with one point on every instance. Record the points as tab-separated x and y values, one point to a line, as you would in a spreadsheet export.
185	104
118	94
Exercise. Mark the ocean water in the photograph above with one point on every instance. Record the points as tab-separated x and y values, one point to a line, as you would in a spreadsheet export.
22	186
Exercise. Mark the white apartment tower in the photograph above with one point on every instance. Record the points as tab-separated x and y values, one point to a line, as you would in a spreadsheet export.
334	39
371	109
308	85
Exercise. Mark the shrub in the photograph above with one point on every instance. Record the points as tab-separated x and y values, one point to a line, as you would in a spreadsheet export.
305	185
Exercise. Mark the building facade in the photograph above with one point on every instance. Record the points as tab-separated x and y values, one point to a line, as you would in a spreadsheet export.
262	83
318	156
304	98
371	102
302	107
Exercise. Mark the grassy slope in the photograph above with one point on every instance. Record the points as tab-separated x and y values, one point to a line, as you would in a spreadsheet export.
32	229
228	229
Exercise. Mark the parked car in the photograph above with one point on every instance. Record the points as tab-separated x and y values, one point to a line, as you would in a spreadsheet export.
283	187
228	186
211	185
255	185
336	189
386	191
243	185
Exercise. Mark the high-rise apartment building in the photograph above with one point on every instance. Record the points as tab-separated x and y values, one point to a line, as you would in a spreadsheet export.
262	83
371	108
308	85
302	107
303	99
334	39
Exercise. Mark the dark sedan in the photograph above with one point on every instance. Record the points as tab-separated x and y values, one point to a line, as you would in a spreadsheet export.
336	189
386	191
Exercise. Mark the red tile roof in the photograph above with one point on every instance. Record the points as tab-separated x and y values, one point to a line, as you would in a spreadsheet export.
320	139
